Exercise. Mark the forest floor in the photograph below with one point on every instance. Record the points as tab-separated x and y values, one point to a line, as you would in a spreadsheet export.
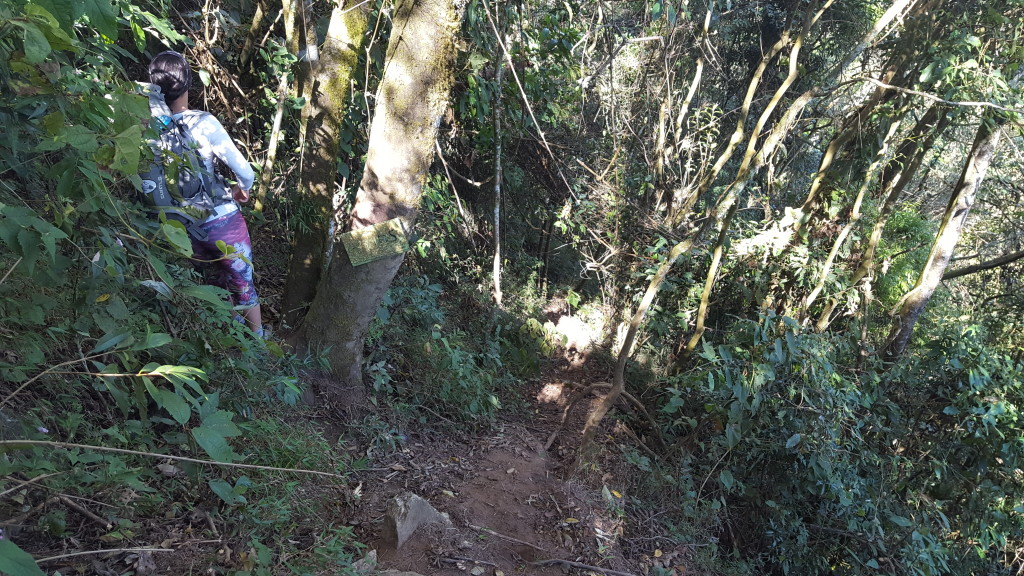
515	507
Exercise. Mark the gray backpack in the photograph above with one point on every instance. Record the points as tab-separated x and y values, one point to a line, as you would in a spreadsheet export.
176	181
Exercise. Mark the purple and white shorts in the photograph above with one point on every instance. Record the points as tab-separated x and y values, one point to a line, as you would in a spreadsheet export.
232	273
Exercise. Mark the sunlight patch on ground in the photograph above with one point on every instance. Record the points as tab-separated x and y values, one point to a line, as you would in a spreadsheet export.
551	393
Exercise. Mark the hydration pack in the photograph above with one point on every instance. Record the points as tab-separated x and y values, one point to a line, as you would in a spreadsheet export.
176	182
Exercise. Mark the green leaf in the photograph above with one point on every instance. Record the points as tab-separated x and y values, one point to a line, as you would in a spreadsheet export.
900	521
36	46
102	15
220	422
54	30
210	294
155	340
127	150
174	404
226	492
872	564
175	233
725	477
793	441
16	562
214	443
159	287
112	340
61	10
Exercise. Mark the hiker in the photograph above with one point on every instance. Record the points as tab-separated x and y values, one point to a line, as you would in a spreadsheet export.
170	71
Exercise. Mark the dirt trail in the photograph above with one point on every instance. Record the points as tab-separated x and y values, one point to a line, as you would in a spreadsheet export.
513	505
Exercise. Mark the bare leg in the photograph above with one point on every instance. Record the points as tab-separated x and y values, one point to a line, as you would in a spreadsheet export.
254	319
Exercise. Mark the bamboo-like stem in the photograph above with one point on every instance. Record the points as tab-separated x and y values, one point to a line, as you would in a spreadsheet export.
275	139
855	215
496	266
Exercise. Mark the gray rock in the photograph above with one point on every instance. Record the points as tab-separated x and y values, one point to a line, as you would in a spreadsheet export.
407	512
367	565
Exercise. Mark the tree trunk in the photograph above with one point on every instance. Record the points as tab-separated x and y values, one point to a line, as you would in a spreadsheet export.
412	97
912	304
496	269
325	111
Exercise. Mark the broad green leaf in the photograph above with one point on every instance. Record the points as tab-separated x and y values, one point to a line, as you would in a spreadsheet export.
226	492
127	150
176	405
158	287
112	340
900	521
79	138
37	48
49	234
61	10
175	233
214	443
210	294
793	441
725	476
28	241
220	422
54	29
16	562
102	15
154	340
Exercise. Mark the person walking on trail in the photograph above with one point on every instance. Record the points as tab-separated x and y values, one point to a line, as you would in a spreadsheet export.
171	72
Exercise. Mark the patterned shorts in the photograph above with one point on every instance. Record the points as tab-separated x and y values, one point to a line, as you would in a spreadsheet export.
232	273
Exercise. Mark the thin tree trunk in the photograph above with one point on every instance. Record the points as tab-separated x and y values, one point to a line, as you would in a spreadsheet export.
752	161
962	199
272	144
412	97
250	37
496	268
896	175
618	376
329	95
855	215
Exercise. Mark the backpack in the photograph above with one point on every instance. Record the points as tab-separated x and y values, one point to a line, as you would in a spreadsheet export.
176	181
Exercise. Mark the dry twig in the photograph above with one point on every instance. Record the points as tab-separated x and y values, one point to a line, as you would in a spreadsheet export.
580	566
504	537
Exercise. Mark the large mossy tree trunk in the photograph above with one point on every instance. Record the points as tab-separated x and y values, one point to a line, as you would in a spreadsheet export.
413	95
330	92
961	200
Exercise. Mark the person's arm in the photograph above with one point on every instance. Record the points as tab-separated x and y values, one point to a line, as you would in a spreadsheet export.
224	148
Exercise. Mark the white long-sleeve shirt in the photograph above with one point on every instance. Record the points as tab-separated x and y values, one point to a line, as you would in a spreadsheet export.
214	141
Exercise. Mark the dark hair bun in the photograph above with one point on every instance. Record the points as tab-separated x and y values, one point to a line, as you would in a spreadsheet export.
170	71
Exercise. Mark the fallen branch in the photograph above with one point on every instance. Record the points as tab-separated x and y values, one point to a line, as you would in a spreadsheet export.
113	550
23	443
457	559
580	566
27	482
85	512
504	537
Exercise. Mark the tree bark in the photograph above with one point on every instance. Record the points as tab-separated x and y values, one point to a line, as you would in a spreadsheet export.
412	97
330	92
962	199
